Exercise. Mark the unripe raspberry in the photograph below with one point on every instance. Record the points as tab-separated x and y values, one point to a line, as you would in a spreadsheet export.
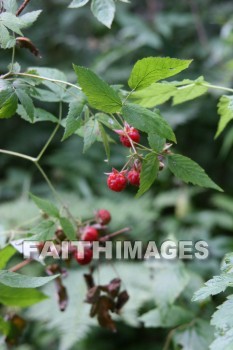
90	234
117	181
133	177
103	216
133	134
85	258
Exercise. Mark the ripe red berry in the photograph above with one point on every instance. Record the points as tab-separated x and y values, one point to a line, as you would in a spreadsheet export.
103	216
134	177
117	181
85	258
90	234
133	134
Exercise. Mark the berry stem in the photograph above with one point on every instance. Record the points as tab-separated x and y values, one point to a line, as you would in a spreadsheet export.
114	234
20	265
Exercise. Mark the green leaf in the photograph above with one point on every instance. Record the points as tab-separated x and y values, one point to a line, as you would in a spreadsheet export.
175	316
104	11
40	115
78	3
107	121
12	22
165	275
214	286
100	95
22	297
73	119
149	172
197	335
225	110
46	206
153	95
105	140
44	231
148	121
223	341
10	5
5	254
29	18
189	171
4	326
151	69
222	318
6	41
91	132
156	142
17	280
8	103
26	102
189	92
68	228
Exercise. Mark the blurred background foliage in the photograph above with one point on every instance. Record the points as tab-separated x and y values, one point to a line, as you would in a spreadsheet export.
201	30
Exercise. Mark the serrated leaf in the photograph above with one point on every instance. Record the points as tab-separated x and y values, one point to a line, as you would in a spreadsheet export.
5	37
100	95
197	335
149	172
104	137
17	280
148	121
22	297
29	18
151	69
189	92
175	316
8	103
73	119
156	142
26	102
12	22
44	231
40	115
153	95
222	318
78	3
214	286
223	341
5	254
68	228
104	11
91	132
190	172
225	110
46	206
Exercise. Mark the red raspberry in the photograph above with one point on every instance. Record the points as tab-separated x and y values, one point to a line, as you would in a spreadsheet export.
134	177
117	181
103	216
90	234
133	135
86	258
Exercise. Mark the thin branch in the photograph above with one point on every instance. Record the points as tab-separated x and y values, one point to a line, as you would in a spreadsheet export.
20	265
22	7
111	235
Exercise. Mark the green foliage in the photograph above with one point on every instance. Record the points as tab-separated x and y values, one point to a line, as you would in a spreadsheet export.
189	171
16	280
100	95
104	11
68	228
149	172
73	119
151	69
21	297
5	255
46	206
147	121
225	110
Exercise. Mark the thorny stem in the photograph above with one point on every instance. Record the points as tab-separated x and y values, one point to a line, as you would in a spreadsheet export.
22	7
20	265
